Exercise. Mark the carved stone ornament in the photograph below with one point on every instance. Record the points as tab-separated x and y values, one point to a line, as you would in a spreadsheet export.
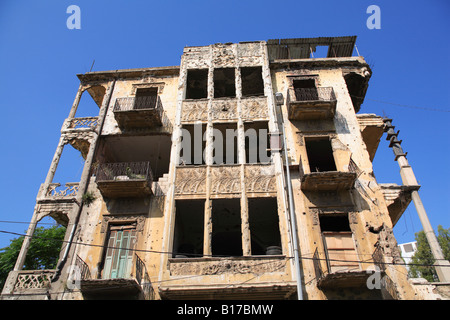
218	267
254	108
195	111
107	220
190	180
226	179
260	178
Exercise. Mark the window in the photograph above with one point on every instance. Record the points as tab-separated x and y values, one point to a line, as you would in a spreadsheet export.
197	84
320	154
252	81
305	89
225	143
226	227
119	253
146	98
188	235
193	144
224	83
338	243
264	227
257	149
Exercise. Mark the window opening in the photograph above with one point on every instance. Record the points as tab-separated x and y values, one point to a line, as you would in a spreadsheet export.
188	234
197	84
320	154
226	227
252	81
224	83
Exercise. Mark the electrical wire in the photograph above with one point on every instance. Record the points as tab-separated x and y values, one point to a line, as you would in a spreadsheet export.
303	257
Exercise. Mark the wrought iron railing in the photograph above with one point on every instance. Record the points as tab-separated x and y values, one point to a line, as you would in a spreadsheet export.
83	269
314	94
137	103
124	171
143	279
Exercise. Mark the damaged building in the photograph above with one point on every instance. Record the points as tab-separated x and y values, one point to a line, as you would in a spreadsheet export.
184	189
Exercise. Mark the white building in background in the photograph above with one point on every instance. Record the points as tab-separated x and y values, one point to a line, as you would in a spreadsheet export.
408	250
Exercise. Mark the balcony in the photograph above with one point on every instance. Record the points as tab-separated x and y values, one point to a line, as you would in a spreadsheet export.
135	285
57	201
311	103
340	267
329	180
80	132
140	112
124	179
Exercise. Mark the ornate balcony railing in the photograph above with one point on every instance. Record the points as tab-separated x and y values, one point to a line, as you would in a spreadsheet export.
141	112
311	103
34	279
83	123
120	171
315	94
68	191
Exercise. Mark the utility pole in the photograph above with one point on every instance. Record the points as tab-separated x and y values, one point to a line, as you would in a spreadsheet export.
442	266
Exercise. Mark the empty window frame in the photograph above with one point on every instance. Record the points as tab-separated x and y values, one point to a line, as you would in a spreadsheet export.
224	82
264	226
257	148
189	226
146	98
320	154
305	89
226	227
225	143
252	81
197	84
193	144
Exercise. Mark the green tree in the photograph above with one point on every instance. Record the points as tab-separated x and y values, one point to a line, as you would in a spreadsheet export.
423	255
43	252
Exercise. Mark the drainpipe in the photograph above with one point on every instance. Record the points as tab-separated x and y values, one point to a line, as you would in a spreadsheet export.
84	182
279	102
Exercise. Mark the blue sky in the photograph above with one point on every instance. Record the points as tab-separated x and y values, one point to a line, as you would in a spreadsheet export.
40	57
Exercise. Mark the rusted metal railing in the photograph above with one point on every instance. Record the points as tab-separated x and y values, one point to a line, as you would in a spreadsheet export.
124	171
314	94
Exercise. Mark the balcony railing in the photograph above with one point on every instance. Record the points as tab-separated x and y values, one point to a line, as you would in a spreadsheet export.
67	192
124	179
353	276
139	112
311	103
137	281
329	180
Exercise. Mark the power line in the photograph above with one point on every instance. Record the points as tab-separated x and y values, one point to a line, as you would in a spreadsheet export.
214	256
402	105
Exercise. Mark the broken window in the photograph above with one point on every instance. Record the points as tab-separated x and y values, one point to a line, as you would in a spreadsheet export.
264	226
197	84
338	243
252	81
257	149
305	89
224	83
145	98
118	260
193	144
320	154
226	227
188	233
225	143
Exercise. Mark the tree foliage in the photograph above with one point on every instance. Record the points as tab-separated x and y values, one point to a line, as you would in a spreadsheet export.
423	255
43	252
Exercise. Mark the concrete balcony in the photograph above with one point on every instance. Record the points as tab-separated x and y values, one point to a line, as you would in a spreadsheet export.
397	199
79	132
141	112
124	179
311	103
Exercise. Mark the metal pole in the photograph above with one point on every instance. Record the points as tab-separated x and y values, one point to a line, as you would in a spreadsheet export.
292	214
442	265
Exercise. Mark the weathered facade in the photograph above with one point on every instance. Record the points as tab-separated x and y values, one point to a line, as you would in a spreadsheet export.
160	213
